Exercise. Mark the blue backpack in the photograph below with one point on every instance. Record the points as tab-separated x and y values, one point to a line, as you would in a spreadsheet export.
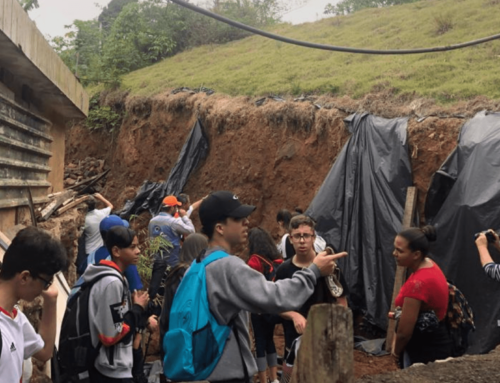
195	341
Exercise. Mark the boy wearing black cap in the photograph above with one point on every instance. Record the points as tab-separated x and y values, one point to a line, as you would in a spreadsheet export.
234	289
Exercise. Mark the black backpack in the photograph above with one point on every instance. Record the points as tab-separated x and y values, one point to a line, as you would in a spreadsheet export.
76	355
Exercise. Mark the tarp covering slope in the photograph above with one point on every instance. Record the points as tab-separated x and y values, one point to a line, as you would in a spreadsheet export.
150	195
360	206
463	199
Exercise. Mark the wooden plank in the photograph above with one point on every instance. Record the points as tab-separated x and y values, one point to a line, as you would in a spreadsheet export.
90	181
72	205
326	352
55	204
400	277
31	208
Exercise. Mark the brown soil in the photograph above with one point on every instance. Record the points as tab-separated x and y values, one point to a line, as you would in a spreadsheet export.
367	365
274	156
475	368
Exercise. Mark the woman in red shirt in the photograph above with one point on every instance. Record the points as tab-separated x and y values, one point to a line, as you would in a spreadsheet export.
421	333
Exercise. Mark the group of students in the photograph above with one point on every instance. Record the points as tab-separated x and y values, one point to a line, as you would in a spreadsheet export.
272	289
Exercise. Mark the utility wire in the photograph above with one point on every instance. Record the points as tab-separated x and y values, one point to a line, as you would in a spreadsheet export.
331	47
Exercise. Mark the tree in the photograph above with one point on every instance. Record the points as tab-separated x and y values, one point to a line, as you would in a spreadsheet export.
350	6
80	49
136	41
129	34
28	5
111	12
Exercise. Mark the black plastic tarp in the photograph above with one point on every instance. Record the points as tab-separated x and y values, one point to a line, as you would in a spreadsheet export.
463	199
360	206
151	194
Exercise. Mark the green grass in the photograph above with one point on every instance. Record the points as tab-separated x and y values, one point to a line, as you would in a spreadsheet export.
259	66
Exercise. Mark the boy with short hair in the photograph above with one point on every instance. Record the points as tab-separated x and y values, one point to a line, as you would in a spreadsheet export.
114	315
302	236
28	270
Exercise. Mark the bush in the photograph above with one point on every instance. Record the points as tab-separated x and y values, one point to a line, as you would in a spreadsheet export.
443	23
102	117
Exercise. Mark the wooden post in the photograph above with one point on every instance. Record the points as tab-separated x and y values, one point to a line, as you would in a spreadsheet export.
326	352
400	277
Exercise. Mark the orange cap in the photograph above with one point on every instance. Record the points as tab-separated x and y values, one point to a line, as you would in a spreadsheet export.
171	201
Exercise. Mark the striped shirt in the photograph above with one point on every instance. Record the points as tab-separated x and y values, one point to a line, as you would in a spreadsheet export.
492	270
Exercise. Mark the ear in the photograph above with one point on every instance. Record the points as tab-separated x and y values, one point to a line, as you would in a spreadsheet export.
417	254
24	275
219	228
115	252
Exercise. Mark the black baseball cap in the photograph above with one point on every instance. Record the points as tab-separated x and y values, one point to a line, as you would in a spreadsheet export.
222	204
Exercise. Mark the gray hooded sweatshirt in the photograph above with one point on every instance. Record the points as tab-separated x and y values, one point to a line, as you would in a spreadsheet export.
234	289
112	319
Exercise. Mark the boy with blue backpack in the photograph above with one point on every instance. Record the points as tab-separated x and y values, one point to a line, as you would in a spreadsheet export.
209	314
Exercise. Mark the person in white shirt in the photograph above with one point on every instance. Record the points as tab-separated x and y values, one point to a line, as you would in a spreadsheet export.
93	239
28	270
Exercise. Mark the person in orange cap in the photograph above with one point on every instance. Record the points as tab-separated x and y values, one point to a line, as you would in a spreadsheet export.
170	227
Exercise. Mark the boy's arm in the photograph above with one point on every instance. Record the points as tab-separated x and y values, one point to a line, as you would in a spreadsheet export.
48	323
112	323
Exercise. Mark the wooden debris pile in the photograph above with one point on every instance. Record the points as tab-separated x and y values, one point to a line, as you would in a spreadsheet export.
78	171
81	180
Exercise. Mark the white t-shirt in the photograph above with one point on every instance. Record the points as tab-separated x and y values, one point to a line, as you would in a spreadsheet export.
19	342
93	239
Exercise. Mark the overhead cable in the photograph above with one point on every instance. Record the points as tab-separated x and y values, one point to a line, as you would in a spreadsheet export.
331	47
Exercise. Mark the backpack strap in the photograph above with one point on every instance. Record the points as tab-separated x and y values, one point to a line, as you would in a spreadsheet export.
216	255
264	260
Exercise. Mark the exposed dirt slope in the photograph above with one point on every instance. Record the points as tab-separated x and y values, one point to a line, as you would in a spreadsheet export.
274	156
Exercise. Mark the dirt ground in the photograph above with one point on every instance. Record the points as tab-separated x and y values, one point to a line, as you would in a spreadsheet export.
470	369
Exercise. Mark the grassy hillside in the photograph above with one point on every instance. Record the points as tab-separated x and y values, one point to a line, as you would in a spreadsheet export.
258	66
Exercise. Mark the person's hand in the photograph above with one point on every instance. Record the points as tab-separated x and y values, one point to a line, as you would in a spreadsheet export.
481	240
326	263
51	293
153	323
140	298
497	239
98	195
182	212
300	323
